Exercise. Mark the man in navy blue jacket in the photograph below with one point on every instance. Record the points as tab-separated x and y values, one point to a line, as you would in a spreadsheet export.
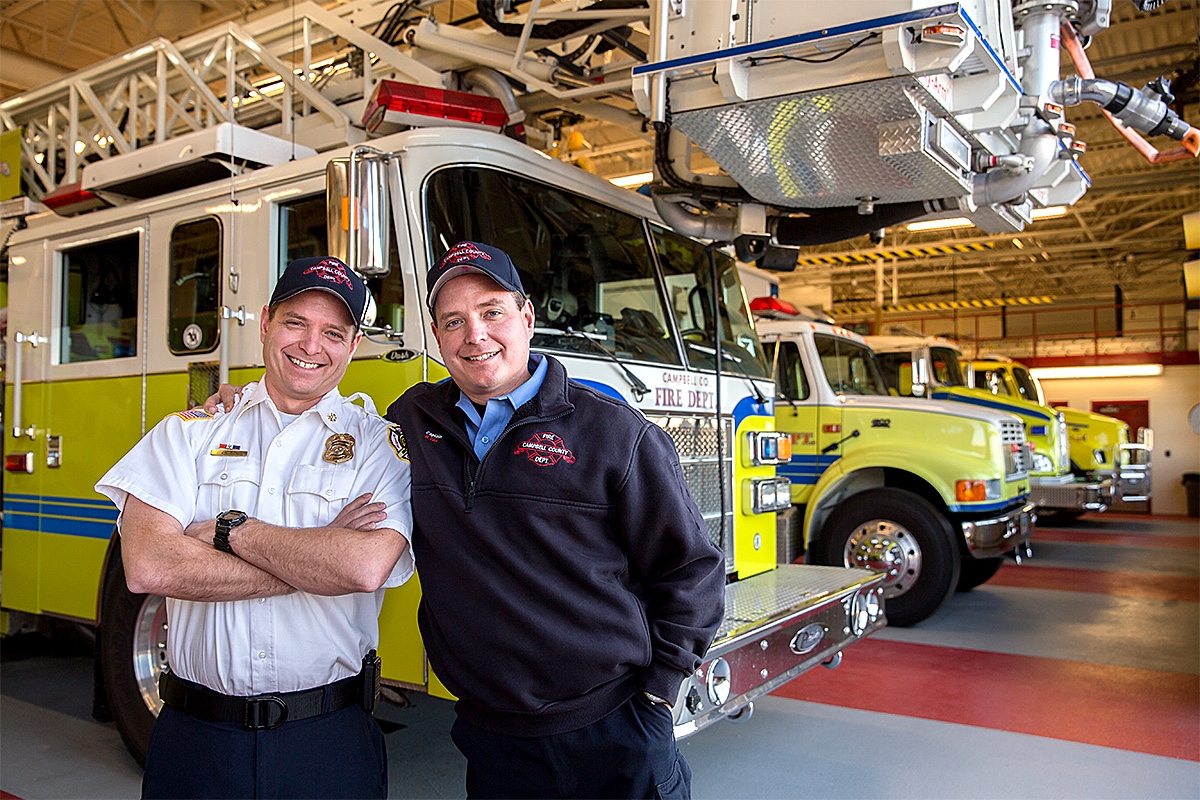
569	583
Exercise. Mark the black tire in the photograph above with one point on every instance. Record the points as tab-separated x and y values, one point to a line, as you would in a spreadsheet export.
977	571
1054	517
902	534
132	654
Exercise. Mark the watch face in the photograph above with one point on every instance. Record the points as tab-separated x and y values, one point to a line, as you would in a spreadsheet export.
231	516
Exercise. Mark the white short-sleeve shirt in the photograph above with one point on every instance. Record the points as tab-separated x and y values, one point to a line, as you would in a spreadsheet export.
194	466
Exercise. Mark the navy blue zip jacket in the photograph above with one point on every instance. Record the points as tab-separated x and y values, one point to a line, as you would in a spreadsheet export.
568	569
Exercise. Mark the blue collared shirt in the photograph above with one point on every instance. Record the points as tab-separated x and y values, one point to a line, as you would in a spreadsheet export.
499	410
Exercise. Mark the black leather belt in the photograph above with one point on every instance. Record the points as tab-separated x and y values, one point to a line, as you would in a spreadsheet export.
263	711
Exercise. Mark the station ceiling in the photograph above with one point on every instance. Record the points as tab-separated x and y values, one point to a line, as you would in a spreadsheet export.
1126	232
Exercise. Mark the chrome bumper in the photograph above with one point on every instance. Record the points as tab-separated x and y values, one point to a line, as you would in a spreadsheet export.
1064	492
987	538
777	626
1131	479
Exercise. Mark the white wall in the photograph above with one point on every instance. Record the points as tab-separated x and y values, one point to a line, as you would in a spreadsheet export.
1170	395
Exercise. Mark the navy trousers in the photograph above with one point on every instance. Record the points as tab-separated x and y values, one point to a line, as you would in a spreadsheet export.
630	752
336	755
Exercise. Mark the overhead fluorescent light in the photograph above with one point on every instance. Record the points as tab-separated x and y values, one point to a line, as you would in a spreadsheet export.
1109	371
1050	212
940	224
632	181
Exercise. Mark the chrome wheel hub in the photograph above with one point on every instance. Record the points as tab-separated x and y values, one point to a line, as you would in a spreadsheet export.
150	649
883	546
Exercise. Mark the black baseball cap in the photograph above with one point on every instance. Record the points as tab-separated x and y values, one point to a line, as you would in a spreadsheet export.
466	258
328	274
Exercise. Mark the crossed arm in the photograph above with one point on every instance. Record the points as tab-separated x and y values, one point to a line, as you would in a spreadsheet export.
349	555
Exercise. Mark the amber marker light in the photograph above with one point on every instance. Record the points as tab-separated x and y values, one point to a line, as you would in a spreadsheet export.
970	491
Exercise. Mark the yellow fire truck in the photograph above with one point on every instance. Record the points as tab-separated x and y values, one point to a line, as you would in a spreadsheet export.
930	494
1101	448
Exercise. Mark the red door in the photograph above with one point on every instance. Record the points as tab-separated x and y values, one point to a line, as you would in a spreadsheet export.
1136	414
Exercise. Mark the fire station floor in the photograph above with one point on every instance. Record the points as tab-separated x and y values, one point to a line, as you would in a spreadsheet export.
1074	675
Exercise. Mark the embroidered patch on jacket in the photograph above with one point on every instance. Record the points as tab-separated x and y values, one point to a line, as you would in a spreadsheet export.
339	448
396	440
193	413
228	450
545	449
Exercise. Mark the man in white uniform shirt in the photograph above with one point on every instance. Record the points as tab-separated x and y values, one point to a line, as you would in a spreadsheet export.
272	530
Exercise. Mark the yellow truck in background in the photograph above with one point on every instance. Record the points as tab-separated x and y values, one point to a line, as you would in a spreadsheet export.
932	494
1101	448
932	367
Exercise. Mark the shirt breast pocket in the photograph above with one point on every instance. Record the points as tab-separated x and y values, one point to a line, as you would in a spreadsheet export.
315	495
227	483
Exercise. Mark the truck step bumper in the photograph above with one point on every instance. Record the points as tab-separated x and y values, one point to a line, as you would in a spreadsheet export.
987	538
777	626
1072	495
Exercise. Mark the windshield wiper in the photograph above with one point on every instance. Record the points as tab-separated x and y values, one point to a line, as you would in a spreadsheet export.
758	395
638	388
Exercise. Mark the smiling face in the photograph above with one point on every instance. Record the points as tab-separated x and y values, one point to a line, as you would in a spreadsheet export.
483	336
307	344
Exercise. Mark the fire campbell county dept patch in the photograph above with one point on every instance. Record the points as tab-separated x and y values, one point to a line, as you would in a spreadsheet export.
339	448
545	449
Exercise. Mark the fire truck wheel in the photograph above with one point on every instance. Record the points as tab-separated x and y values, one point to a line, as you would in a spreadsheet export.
977	571
902	535
133	636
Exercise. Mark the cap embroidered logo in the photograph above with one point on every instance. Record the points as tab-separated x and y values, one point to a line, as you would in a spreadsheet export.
332	271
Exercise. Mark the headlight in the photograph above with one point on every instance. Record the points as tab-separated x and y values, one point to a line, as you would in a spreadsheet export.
1100	456
974	491
1042	463
770	494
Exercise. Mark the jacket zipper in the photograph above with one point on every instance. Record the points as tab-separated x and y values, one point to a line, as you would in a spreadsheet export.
510	427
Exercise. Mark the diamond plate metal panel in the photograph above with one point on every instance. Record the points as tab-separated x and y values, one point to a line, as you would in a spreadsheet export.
823	149
772	594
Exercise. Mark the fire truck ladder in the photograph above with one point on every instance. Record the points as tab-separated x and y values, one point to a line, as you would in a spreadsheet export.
301	75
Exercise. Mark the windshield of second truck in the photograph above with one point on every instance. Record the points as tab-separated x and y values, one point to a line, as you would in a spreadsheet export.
849	366
946	368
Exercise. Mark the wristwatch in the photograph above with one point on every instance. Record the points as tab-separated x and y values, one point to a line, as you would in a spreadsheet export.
227	521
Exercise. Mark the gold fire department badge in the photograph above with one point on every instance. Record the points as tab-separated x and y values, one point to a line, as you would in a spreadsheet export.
339	448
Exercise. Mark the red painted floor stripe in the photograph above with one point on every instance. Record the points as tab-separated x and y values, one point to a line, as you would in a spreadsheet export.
1130	709
1044	534
1152	586
6	796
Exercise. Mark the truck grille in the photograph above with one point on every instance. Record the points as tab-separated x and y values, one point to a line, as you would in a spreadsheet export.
1016	462
696	440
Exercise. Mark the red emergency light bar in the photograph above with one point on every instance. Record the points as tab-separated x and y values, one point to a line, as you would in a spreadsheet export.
413	105
773	307
72	199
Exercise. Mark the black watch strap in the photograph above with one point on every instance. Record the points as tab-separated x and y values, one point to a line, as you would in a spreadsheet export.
227	521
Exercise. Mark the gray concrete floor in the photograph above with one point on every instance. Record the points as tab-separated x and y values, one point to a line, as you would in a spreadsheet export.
51	748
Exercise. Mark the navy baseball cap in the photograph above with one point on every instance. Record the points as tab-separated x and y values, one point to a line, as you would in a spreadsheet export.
327	274
466	258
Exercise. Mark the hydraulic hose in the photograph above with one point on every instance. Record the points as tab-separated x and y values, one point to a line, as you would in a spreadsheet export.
560	29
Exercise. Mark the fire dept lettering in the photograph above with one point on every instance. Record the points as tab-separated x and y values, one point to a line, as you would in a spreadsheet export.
685	398
545	449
